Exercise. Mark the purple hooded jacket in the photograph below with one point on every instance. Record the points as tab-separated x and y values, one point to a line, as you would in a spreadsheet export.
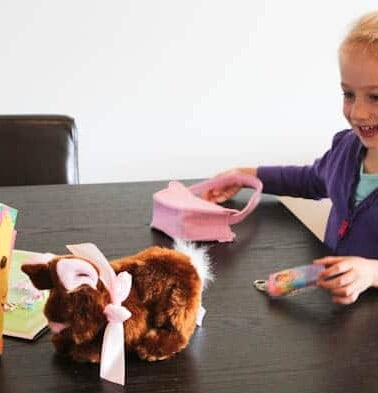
350	230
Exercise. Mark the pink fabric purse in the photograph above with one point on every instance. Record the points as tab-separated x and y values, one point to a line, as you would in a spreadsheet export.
179	213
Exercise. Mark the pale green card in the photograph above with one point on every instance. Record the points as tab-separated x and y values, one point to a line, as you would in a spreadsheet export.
24	318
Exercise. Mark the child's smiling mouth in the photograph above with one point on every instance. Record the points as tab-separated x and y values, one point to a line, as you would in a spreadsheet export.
368	131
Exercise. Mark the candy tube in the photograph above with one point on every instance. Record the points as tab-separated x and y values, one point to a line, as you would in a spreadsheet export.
286	281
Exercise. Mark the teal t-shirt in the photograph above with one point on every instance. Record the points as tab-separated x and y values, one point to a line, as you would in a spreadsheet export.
367	184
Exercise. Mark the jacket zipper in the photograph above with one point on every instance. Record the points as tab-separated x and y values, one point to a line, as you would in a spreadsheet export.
346	223
343	228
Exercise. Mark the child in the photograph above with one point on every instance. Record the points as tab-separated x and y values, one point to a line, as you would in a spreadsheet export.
347	173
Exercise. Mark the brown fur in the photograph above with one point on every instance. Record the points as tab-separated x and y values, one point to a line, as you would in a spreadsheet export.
164	300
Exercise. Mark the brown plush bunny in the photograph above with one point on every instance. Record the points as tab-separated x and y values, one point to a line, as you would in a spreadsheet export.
164	300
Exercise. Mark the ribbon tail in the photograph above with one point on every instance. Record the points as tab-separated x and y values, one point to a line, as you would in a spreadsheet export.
112	366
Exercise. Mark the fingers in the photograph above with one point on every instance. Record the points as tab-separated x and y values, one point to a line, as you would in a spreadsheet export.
220	195
335	269
350	290
332	282
210	195
328	260
345	299
230	192
344	289
339	279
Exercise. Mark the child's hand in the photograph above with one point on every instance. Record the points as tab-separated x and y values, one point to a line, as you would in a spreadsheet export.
347	277
220	195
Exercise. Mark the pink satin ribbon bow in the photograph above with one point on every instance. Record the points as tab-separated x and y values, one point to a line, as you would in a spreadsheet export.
112	366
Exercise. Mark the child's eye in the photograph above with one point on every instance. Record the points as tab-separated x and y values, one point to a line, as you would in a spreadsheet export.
348	95
374	97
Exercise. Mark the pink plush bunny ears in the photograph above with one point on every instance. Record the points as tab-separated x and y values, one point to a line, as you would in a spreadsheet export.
179	213
75	272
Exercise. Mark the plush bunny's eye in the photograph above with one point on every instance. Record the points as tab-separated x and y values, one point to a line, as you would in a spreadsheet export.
3	262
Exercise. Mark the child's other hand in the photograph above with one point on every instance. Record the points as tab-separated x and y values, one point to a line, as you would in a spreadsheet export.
345	278
220	195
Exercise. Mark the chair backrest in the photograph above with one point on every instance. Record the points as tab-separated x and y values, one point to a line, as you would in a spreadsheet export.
38	149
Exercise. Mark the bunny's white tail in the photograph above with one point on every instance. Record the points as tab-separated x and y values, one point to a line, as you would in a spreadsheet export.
199	258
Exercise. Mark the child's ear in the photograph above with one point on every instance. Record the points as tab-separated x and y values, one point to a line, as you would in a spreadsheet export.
39	275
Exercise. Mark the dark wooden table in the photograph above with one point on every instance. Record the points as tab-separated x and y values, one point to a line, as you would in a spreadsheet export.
248	343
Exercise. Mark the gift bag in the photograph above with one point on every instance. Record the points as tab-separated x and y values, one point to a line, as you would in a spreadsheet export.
179	212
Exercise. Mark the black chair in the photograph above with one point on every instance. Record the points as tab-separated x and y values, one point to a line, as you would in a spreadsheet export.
38	149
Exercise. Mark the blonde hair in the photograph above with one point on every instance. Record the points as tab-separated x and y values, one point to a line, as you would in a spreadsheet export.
362	36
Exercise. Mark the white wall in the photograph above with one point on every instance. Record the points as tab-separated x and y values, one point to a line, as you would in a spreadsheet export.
177	89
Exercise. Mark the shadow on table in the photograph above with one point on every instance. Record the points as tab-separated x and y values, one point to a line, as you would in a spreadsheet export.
175	374
314	306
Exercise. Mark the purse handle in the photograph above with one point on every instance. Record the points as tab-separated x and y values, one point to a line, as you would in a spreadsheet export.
236	179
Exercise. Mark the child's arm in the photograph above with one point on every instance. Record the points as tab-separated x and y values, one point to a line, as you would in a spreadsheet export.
306	181
345	278
298	181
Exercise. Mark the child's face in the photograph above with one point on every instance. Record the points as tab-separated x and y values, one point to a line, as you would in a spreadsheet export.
359	81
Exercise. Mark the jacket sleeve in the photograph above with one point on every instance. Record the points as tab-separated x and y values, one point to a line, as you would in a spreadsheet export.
309	181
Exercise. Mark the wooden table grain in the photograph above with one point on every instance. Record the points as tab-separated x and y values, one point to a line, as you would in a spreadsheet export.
248	343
